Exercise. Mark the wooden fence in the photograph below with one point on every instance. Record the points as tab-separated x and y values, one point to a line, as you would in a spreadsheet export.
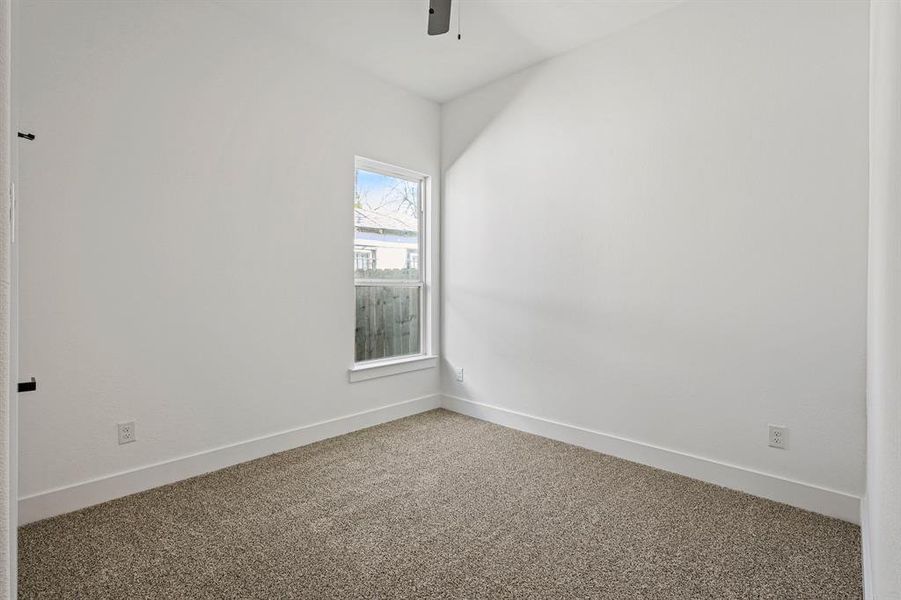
387	322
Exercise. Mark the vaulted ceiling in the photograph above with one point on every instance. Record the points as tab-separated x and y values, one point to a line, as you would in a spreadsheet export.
388	37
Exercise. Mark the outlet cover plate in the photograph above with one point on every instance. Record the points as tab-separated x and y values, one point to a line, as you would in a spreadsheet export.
126	432
778	437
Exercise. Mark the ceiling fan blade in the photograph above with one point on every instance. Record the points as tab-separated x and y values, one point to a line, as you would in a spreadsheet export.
439	16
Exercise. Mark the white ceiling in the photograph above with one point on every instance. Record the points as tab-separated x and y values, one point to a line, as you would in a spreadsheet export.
388	37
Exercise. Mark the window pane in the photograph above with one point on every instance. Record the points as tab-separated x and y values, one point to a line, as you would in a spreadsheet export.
387	322
386	227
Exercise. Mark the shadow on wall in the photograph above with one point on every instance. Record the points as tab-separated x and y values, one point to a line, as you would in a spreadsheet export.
482	108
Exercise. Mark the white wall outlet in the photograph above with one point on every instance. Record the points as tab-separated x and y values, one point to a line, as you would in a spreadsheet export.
459	373
778	437
126	432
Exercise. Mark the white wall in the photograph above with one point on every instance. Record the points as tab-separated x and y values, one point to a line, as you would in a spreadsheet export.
882	507
663	236
186	228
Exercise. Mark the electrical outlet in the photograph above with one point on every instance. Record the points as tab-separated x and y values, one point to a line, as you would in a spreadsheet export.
459	374
126	432
778	437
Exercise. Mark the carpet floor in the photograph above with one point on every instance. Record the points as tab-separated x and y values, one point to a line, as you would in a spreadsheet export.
439	505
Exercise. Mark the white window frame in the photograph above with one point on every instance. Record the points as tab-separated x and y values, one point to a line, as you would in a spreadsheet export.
427	357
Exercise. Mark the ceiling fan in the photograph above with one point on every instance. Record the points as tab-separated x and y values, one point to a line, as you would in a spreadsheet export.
440	16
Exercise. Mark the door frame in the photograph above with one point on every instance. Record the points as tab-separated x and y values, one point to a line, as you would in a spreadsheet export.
13	433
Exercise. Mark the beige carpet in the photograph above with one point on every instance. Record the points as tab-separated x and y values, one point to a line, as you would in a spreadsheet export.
440	506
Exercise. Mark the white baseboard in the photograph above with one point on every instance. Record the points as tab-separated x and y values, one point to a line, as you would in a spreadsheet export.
87	493
810	497
802	495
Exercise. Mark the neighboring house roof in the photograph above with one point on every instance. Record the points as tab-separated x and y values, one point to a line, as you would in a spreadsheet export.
365	218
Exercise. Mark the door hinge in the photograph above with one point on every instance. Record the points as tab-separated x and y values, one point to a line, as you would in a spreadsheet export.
28	386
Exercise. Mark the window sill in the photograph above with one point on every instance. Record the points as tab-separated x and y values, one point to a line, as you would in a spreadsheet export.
383	368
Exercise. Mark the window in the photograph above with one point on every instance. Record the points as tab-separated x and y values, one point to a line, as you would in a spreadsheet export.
364	258
389	277
412	259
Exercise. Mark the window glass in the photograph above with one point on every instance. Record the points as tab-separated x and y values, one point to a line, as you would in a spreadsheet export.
387	269
388	322
386	227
